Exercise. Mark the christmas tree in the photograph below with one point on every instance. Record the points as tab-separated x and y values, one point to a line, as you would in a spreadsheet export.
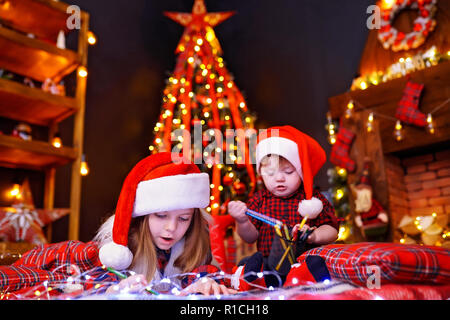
204	116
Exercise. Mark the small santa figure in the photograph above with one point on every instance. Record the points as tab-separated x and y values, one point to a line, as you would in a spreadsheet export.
371	218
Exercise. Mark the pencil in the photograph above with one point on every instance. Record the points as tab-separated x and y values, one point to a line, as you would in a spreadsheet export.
122	276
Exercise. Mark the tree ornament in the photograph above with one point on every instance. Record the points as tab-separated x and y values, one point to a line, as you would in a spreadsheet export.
227	180
239	188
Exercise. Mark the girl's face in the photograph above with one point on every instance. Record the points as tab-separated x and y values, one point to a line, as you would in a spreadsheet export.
169	227
280	177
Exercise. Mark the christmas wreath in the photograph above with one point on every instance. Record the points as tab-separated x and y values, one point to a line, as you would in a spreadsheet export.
423	24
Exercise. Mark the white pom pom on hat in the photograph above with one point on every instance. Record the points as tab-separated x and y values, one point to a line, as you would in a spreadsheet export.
310	208
155	184
115	256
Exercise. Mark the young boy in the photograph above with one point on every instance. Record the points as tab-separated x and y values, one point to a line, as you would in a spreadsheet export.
287	161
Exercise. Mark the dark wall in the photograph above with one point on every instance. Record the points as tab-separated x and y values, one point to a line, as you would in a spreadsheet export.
287	57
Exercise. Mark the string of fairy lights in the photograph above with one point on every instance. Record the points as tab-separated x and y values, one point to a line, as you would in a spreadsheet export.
398	128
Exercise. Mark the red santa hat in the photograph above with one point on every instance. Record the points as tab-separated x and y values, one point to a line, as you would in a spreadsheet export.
303	152
364	178
155	184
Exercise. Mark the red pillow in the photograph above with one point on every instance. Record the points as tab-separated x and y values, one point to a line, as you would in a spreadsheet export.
360	263
49	262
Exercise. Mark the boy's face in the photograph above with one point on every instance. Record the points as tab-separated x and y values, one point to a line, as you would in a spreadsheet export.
280	176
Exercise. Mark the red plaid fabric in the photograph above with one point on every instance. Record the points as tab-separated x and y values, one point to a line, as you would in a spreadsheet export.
231	253
340	152
163	257
49	262
408	107
397	263
55	263
285	209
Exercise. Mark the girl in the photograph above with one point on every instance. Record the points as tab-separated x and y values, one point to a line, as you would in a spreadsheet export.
158	231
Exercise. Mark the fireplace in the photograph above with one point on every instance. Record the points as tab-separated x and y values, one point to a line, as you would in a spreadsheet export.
418	184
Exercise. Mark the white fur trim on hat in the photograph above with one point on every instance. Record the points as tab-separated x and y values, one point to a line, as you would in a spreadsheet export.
279	146
115	256
172	193
310	208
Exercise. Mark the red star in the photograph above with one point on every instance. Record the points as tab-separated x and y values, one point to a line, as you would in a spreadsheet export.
199	18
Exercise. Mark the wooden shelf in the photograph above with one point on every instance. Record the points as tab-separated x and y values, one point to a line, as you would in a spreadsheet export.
43	18
39	58
33	105
35	155
34	58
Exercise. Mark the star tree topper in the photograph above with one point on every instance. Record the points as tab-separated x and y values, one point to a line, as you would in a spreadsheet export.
198	20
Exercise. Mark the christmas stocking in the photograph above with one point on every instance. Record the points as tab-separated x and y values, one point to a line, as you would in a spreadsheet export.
408	107
340	152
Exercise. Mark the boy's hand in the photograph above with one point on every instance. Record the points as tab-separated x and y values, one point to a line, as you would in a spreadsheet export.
237	210
298	233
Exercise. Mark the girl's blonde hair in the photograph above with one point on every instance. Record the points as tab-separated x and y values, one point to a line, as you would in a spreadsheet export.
196	246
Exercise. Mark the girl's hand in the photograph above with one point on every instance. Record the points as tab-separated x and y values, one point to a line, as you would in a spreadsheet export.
207	286
237	210
133	283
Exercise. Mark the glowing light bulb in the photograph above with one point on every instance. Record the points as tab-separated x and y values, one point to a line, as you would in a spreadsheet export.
342	172
82	72
57	142
363	85
349	111
387	4
15	191
430	126
91	38
398	131
369	124
84	168
339	194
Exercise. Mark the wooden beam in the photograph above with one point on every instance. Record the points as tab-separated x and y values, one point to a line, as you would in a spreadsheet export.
75	192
